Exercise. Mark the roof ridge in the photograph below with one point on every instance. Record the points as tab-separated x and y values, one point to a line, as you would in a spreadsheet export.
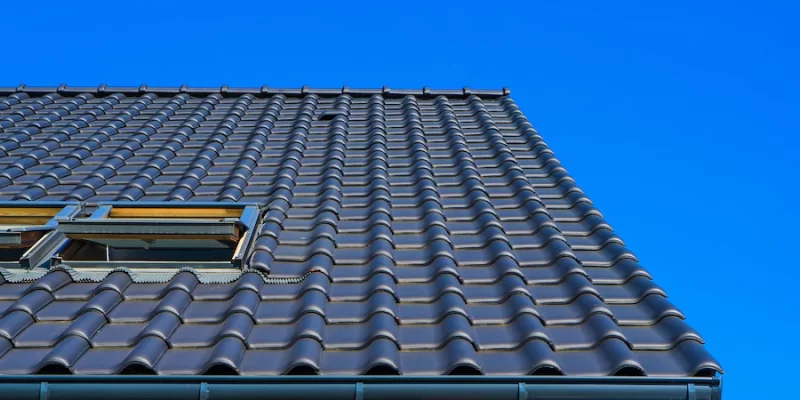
264	90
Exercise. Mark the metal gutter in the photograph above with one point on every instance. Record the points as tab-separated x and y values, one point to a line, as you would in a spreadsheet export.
260	91
37	387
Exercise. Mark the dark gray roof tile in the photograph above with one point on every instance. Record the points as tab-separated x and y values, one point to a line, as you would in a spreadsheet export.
119	335
617	274
612	354
32	302
102	302
380	356
144	355
281	336
12	291
457	357
688	358
143	291
632	291
534	357
50	282
289	311
302	357
13	323
175	302
356	312
77	291
162	325
133	311
575	312
86	325
362	290
63	356
663	335
23	361
39	334
435	336
648	311
243	302
60	311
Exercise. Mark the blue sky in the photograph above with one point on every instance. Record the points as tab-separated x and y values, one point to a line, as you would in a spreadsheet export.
680	121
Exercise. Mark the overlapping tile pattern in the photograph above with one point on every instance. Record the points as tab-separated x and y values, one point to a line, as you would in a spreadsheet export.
423	235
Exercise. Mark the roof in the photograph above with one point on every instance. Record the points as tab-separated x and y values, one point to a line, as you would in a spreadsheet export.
403	232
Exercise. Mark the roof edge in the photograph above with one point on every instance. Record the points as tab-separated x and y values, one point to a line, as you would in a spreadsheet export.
361	387
225	90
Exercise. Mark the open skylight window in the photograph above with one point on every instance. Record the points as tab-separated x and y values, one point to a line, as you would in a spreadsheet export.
159	235
28	231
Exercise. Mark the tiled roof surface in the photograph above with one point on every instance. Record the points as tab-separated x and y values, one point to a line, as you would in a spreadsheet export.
425	234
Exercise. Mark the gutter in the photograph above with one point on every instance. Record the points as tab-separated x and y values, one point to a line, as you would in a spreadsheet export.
122	387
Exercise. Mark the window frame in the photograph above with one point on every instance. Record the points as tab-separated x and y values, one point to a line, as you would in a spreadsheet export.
31	217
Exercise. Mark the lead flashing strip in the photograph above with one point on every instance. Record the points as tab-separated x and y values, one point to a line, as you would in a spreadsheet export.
140	276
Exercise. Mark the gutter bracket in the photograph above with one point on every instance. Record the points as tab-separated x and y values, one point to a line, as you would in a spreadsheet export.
359	392
204	394
691	393
522	391
43	391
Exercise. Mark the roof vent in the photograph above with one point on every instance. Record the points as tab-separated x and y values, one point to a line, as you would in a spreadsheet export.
330	115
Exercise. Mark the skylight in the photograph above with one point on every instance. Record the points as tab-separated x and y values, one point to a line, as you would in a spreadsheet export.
159	235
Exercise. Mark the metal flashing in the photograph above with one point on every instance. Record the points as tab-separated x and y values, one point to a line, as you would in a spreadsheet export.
164	275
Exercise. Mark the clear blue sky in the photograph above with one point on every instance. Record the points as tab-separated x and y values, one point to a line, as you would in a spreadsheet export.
680	121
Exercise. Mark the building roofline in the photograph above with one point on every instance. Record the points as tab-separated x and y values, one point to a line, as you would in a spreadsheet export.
225	90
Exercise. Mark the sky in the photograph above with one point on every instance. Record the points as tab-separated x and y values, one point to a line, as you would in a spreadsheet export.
679	120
